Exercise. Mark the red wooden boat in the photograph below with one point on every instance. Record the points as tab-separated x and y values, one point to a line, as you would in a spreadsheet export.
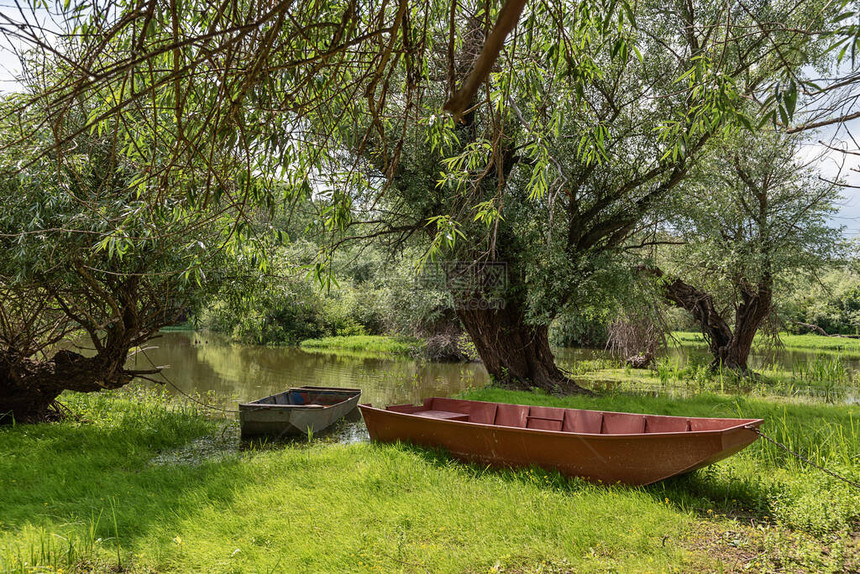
599	446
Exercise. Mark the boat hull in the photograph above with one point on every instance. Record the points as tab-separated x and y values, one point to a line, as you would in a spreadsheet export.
291	420
635	459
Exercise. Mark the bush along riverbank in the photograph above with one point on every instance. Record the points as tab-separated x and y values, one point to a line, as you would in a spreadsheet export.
140	483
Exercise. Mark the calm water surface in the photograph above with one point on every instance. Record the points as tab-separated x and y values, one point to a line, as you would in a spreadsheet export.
211	365
227	373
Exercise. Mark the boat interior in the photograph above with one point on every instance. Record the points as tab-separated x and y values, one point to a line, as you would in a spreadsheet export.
560	419
309	396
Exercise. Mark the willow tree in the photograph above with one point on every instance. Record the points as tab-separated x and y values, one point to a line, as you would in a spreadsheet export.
557	165
91	270
592	112
752	215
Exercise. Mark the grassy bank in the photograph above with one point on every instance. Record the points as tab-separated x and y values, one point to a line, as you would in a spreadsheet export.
821	373
180	328
806	342
826	378
131	484
366	343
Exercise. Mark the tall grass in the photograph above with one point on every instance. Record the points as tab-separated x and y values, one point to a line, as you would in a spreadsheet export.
59	481
826	377
43	551
807	342
822	369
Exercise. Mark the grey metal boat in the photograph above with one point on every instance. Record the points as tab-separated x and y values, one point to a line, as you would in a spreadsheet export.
296	411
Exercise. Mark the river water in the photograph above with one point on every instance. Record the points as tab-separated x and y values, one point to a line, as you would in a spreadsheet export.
226	373
230	372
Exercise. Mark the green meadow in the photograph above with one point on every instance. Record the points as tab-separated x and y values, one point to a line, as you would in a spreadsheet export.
138	482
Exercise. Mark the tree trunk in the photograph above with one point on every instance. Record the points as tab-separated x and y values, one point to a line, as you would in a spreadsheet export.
21	398
28	388
731	349
514	352
754	308
717	332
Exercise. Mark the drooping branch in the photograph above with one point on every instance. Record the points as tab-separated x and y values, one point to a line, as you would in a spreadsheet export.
507	20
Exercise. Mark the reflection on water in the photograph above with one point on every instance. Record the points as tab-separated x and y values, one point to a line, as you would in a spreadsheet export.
208	364
227	373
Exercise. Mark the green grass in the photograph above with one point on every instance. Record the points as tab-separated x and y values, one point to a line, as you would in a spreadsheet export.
366	343
127	486
825	376
180	328
820	343
808	342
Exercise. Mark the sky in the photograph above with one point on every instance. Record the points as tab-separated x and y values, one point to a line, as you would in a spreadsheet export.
10	14
830	164
9	66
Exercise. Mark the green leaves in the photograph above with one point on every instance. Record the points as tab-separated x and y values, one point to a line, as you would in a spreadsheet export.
781	104
845	33
441	134
445	236
466	167
752	215
592	145
487	212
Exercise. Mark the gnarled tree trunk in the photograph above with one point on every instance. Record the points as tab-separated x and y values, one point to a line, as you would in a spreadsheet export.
514	352
28	388
23	395
730	347
756	305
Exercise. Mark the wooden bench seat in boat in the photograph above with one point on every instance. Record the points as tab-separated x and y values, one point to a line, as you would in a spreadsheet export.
446	415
